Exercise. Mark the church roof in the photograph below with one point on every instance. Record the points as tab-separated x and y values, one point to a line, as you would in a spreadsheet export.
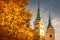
38	14
49	23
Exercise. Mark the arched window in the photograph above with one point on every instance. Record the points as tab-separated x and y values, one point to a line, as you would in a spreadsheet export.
36	27
50	35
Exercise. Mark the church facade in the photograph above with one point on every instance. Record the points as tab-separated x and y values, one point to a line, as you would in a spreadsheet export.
39	28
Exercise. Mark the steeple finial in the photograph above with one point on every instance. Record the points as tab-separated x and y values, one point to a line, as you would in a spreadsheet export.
38	13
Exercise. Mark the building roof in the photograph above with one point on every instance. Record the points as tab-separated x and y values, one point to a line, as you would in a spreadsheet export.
49	23
38	14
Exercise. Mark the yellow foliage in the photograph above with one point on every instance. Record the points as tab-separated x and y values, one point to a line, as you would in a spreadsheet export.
14	19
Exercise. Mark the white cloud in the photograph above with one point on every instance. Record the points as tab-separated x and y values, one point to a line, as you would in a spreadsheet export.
56	24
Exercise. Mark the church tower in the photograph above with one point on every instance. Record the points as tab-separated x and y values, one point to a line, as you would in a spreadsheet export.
39	25
50	33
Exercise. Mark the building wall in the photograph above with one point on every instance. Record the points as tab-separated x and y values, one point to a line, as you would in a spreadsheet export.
50	34
39	28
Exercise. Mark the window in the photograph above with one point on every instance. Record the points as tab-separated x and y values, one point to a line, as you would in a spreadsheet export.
36	27
50	35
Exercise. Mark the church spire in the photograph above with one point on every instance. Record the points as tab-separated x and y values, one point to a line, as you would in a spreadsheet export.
49	24
38	14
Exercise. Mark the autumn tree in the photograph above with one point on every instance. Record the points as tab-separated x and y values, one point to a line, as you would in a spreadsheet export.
14	19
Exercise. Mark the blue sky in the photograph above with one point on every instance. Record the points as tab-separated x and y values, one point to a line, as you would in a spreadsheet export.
46	7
